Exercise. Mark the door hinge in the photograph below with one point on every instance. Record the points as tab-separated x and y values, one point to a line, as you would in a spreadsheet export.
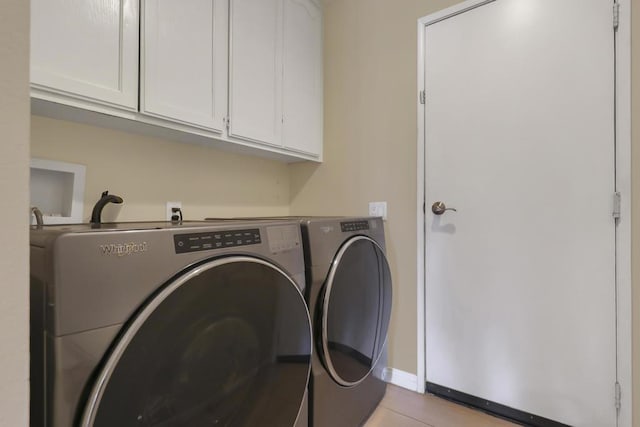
617	201
618	395
616	15
423	97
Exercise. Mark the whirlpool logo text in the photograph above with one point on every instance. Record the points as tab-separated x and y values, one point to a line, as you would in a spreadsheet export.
123	249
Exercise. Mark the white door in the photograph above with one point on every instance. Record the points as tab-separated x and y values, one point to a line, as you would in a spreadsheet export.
520	280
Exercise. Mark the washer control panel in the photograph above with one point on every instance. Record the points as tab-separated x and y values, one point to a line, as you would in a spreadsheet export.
354	226
194	242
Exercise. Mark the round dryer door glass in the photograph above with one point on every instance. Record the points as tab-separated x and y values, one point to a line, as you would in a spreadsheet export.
356	310
226	344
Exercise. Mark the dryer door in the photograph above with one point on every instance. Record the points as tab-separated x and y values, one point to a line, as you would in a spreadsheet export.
356	310
226	343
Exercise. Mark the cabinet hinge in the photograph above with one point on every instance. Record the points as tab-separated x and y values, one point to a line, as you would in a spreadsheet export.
618	395
423	97
616	15
617	201
227	122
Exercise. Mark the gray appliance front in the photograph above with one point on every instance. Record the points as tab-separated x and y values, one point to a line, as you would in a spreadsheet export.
355	311
349	296
138	331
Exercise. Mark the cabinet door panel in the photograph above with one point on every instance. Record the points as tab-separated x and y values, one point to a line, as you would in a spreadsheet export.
184	61
86	49
302	77
255	97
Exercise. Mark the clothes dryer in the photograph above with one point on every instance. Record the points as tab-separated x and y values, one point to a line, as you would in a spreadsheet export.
141	324
349	293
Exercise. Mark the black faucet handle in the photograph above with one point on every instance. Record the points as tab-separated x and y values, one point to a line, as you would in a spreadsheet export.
100	204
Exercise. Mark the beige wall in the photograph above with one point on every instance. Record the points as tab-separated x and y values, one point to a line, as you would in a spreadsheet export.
370	139
14	185
147	172
635	188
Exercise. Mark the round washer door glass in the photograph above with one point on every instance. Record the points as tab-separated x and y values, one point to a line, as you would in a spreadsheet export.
227	343
356	310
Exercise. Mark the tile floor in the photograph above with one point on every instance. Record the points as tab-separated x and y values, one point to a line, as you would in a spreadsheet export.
403	408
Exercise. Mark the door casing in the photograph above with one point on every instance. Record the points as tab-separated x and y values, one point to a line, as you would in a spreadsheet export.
623	185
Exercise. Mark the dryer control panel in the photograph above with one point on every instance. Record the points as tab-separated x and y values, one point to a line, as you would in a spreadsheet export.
354	226
194	242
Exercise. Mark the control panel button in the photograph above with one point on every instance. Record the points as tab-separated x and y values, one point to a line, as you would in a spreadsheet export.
194	242
350	226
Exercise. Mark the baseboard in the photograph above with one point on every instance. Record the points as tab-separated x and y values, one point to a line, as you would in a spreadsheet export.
401	378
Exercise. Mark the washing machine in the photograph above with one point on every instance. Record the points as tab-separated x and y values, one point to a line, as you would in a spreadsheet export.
349	292
148	324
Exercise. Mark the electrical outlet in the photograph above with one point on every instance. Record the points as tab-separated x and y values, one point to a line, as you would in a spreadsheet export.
378	209
170	206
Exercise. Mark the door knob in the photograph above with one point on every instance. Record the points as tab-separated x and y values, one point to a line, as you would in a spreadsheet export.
438	208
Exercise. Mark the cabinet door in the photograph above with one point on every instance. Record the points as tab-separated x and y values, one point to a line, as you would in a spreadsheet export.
302	77
86	49
255	83
184	61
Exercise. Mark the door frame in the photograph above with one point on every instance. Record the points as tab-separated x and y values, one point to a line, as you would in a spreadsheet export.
623	185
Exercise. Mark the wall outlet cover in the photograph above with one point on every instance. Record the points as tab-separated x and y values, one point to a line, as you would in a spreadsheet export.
170	206
378	209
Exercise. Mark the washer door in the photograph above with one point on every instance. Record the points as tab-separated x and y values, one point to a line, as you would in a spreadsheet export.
227	343
356	310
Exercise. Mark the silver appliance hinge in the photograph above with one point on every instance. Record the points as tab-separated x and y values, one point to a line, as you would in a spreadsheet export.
618	395
617	201
423	97
616	15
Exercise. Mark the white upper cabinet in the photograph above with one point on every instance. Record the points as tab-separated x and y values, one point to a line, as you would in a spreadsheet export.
86	50
184	51
302	77
275	81
241	74
255	81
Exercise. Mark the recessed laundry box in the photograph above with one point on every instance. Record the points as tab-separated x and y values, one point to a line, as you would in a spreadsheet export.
57	190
